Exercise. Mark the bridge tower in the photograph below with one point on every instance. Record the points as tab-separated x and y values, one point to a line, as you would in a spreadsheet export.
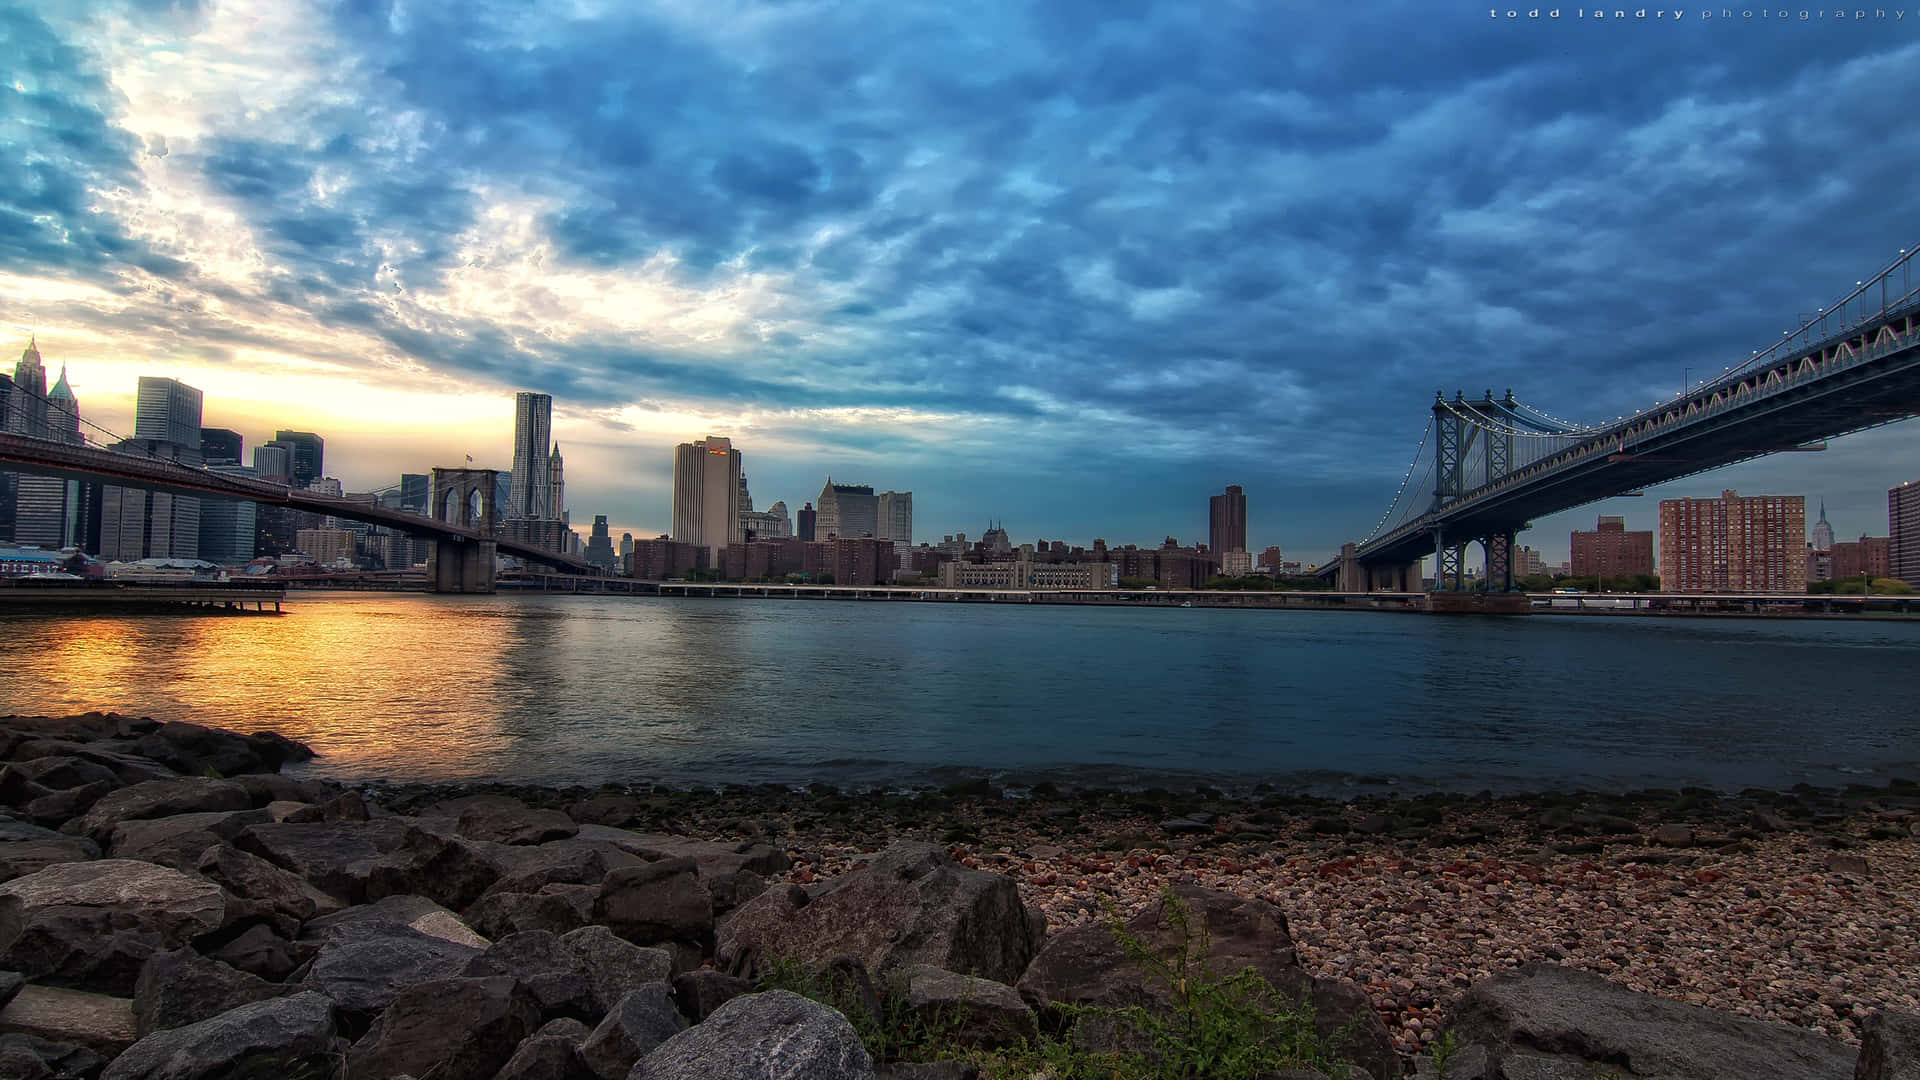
465	498
1455	435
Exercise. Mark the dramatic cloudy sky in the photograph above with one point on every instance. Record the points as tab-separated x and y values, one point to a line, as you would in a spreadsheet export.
1075	264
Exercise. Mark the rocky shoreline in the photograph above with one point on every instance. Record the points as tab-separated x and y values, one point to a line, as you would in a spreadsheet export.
172	906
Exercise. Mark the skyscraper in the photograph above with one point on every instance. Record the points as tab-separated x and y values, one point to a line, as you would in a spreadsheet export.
167	410
27	415
1822	532
1734	544
416	491
220	444
808	516
274	461
894	514
530	491
1227	516
228	526
556	485
706	495
140	524
1903	532
307	453
600	544
848	510
51	512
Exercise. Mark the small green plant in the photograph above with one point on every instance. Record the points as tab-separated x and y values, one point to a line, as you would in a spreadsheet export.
1442	1052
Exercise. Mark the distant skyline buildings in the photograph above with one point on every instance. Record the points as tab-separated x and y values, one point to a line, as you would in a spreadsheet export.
308	455
846	510
167	410
1227	521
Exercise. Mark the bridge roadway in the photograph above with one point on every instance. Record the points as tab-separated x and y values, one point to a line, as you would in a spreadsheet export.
1863	377
43	457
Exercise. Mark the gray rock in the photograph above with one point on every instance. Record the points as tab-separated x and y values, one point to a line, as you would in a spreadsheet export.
60	773
1087	965
259	951
155	799
614	967
542	1056
662	902
254	878
499	914
450	1029
25	857
61	807
1854	866
10	984
502	820
336	858
29	1057
1543	1012
193	749
289	1037
967	1011
365	970
92	925
180	987
910	905
770	1036
636	1024
416	912
530	868
1889	1047
698	993
96	1021
1673	836
546	968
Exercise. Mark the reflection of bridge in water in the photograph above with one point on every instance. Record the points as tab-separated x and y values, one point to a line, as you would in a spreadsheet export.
1495	464
464	533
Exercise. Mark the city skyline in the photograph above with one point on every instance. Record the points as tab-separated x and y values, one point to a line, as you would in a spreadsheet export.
974	254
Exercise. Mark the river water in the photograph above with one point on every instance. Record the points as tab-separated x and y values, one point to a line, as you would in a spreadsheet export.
704	692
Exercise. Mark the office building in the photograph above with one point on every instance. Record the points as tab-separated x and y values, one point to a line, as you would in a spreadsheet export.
274	461
807	527
53	512
1610	551
1869	556
626	544
893	514
228	526
1529	563
1236	563
556	485
416	493
329	547
850	510
706	495
220	444
1734	544
167	410
1227	522
1903	532
27	409
140	524
1822	532
600	544
769	524
308	454
530	491
1028	575
862	561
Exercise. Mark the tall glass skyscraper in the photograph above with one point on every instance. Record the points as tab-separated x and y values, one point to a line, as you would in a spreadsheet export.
309	455
530	490
167	410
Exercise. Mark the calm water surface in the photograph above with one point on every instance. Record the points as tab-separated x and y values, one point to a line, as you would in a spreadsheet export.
705	692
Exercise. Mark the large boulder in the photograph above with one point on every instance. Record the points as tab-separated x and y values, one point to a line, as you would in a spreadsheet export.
92	925
772	1036
193	749
415	912
180	987
968	1011
24	856
551	1053
659	903
1889	1047
365	970
550	971
450	1029
636	1024
155	799
365	860
501	820
291	1038
253	878
614	967
96	1021
910	905
1089	965
144	838
1553	1018
552	909
30	1057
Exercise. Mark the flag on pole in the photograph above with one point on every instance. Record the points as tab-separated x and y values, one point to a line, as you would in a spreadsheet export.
469	459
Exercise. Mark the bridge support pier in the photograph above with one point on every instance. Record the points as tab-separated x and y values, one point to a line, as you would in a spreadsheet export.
460	566
1499	548
1449	574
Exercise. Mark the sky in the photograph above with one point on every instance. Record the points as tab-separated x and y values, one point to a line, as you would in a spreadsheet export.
1071	265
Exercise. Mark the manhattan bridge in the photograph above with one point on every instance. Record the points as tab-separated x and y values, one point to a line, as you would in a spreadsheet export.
1487	466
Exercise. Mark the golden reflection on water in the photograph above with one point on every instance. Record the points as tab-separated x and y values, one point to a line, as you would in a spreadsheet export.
444	669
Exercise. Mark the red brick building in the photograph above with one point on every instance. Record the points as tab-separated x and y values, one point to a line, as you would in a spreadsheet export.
1867	555
1611	551
1756	544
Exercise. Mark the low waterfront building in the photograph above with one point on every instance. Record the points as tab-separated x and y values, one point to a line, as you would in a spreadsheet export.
1029	575
22	561
1869	555
1751	544
1610	551
327	546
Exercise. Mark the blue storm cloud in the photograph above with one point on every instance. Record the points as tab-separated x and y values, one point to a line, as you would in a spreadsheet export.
1164	247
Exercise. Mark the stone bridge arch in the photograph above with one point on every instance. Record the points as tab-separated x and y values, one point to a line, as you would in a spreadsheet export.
464	498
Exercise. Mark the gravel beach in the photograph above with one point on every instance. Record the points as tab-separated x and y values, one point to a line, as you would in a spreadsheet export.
1794	907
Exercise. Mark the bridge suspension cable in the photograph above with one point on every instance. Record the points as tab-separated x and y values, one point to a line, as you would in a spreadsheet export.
1424	435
